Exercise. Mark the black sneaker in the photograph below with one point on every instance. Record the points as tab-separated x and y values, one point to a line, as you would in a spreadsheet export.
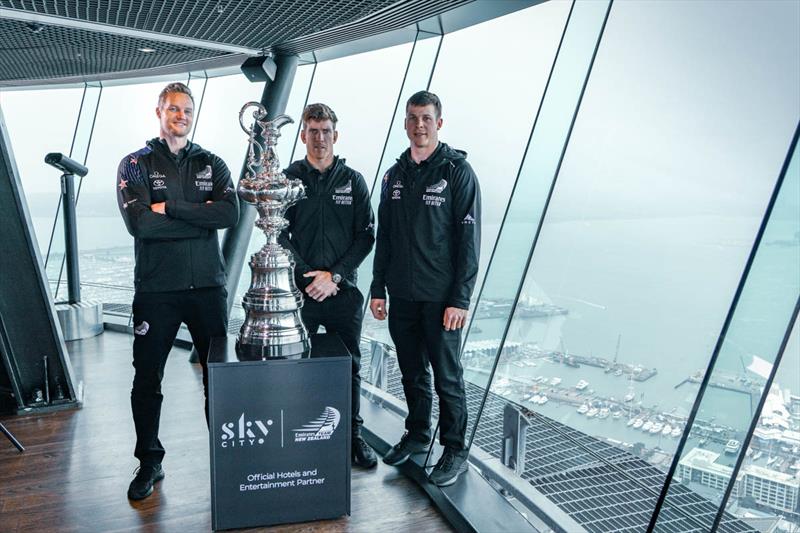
363	455
452	463
404	449
142	485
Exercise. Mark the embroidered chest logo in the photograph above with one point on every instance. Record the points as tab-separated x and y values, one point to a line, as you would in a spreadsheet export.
397	185
346	189
396	194
342	195
437	188
157	182
435	200
202	180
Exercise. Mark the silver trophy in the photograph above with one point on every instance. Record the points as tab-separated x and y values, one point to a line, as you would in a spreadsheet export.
272	327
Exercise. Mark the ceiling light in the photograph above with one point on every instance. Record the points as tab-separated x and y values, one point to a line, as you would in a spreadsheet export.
147	50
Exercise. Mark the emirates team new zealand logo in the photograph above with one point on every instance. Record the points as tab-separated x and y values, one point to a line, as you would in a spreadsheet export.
321	428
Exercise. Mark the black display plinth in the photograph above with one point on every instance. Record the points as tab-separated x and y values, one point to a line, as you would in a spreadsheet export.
279	435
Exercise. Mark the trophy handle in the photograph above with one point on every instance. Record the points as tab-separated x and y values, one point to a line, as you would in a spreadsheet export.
280	121
259	114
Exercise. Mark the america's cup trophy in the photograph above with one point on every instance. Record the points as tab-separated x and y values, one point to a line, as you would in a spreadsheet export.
272	327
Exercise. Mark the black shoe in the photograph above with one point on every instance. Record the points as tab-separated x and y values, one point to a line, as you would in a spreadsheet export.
404	449
142	485
363	455
452	463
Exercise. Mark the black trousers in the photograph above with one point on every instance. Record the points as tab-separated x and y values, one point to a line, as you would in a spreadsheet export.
156	319
422	343
342	314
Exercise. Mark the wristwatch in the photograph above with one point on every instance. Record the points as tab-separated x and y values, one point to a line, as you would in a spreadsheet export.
336	278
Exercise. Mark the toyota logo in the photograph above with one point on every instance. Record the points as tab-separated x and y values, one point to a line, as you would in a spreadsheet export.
158	183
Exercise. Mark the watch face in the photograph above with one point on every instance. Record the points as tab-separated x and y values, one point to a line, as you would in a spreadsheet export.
337	278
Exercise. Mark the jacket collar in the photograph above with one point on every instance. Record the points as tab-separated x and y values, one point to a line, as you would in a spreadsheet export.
308	168
160	145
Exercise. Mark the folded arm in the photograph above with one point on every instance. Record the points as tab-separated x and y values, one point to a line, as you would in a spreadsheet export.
222	211
133	199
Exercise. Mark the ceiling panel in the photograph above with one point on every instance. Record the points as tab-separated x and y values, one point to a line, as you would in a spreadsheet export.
72	39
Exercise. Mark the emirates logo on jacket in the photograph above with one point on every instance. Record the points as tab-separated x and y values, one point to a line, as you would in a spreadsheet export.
202	180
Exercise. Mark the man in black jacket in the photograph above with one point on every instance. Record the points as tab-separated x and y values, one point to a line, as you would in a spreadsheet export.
173	196
426	255
330	233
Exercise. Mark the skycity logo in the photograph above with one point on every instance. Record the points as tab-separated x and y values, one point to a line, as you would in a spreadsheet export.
249	433
320	428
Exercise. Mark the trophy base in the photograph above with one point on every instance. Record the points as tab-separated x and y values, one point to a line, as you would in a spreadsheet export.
253	352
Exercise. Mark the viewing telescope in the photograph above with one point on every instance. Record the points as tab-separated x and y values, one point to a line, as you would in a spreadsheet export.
65	164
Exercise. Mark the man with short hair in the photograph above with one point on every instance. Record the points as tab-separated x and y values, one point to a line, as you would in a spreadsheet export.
173	196
426	255
330	233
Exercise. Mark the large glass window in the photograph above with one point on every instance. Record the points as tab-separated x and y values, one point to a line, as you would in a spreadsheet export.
677	144
39	122
490	97
760	320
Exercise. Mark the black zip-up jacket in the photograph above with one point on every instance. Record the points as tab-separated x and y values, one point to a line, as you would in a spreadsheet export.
333	229
179	250
428	241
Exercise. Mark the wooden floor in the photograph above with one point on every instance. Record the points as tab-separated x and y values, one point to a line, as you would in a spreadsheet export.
77	465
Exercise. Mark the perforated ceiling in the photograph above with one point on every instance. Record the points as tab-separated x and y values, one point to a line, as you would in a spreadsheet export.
48	40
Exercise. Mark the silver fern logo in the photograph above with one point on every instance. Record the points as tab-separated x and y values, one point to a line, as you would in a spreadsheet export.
346	189
321	428
204	174
437	188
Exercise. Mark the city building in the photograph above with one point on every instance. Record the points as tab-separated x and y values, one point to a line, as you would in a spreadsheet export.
774	489
777	490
